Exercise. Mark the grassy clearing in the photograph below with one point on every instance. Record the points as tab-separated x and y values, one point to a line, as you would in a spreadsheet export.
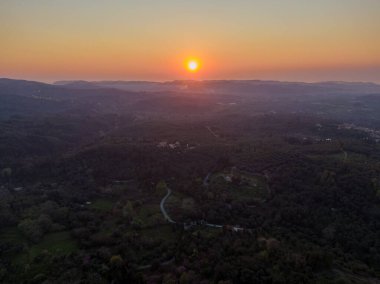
208	233
150	214
247	193
340	156
59	243
12	235
188	204
252	187
102	205
163	233
179	205
160	238
174	200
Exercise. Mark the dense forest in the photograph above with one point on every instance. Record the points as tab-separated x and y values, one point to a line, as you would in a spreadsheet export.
252	182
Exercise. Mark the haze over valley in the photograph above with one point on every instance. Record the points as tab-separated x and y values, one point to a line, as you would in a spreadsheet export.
190	142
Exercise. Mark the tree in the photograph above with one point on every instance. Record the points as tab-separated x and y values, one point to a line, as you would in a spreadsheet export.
128	211
6	174
137	223
185	278
161	187
116	261
6	216
44	222
31	229
169	279
235	175
49	207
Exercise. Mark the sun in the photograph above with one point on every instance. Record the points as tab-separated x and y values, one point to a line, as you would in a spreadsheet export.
192	65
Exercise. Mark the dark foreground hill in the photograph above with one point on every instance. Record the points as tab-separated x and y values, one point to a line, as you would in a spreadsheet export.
262	182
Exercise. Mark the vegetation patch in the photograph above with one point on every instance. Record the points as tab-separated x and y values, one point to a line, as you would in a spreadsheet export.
239	187
12	235
59	243
102	205
150	214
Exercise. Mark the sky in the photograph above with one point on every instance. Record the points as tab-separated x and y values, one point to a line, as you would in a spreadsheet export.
293	40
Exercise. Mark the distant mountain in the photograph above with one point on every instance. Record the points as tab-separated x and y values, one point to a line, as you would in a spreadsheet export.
28	98
29	88
76	84
137	86
230	86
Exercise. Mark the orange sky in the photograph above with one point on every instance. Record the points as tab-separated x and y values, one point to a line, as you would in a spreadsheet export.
149	40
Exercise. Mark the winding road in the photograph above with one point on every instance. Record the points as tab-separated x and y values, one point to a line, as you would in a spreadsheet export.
212	132
162	206
345	156
170	220
206	180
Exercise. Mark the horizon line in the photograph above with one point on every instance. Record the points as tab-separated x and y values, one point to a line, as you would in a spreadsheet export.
55	82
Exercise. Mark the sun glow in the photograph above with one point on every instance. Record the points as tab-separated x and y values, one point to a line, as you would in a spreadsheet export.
192	65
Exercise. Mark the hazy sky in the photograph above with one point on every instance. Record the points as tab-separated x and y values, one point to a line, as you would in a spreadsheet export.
309	40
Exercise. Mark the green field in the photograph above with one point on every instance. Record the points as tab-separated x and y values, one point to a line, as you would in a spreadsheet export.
102	205
248	193
58	243
339	156
161	239
163	233
150	214
252	187
12	235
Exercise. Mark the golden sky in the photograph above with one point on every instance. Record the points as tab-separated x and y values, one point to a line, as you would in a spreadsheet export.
300	40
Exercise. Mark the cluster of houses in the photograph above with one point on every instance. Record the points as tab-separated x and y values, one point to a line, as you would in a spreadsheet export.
173	146
189	225
375	134
4	188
